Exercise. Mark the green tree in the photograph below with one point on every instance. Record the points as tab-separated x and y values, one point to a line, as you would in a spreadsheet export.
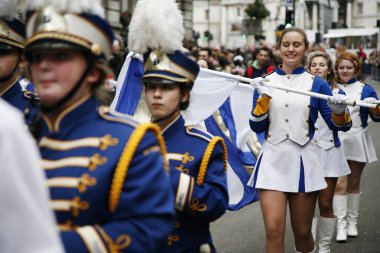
257	10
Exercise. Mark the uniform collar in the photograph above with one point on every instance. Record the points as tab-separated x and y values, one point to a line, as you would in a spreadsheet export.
296	71
353	80
173	127
78	111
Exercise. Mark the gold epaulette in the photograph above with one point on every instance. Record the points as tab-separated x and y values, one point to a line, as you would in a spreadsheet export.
126	158
207	156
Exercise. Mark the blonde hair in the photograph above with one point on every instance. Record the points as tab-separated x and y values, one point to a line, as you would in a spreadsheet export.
330	76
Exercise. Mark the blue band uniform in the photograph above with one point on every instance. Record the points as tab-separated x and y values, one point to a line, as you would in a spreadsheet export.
97	165
198	177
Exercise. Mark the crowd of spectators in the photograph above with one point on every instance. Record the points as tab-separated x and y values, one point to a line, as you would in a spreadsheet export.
251	61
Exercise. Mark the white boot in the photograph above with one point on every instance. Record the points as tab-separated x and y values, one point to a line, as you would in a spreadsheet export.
314	228
340	211
326	233
352	214
314	250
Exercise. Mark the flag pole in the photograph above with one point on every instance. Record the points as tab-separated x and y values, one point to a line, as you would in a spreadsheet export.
288	89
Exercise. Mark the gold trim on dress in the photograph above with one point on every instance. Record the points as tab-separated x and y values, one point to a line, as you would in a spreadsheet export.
122	241
173	156
67	226
102	142
81	183
75	205
54	126
196	206
80	161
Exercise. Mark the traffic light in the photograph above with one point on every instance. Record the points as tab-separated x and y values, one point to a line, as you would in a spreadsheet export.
207	36
195	35
289	17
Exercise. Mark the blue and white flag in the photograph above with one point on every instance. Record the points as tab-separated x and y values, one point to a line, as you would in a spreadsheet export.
129	85
224	105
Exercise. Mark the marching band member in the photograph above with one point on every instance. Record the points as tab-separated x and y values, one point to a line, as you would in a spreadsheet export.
288	169
106	175
198	160
357	145
13	87
333	161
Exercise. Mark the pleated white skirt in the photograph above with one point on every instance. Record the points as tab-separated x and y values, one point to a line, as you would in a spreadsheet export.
289	167
334	162
358	146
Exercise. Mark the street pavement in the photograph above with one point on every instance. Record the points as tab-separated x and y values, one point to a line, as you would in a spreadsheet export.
243	231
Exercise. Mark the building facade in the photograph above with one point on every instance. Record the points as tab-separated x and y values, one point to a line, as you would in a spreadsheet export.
119	14
224	18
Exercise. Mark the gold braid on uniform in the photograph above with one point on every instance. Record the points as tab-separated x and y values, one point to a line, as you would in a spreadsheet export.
126	158
207	156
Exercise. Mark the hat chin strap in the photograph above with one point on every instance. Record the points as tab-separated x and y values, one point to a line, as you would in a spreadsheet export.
71	93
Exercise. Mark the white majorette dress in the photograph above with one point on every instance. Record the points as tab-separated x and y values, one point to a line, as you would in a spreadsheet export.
288	160
357	143
333	161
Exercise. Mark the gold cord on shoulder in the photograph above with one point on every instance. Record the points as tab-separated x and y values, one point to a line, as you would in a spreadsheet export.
207	156
126	158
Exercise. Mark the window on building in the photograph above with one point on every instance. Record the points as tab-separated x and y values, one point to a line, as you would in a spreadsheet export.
238	12
378	7
360	8
207	14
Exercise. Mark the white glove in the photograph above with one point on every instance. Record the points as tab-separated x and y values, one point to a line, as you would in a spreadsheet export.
370	100
335	102
258	84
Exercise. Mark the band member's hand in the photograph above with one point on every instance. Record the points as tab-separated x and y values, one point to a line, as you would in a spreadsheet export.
336	103
259	85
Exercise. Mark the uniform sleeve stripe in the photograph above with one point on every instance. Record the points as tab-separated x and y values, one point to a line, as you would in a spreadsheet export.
341	120
258	119
91	238
262	106
182	191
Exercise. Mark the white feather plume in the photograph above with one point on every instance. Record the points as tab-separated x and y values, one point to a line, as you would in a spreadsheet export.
8	9
156	24
67	6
